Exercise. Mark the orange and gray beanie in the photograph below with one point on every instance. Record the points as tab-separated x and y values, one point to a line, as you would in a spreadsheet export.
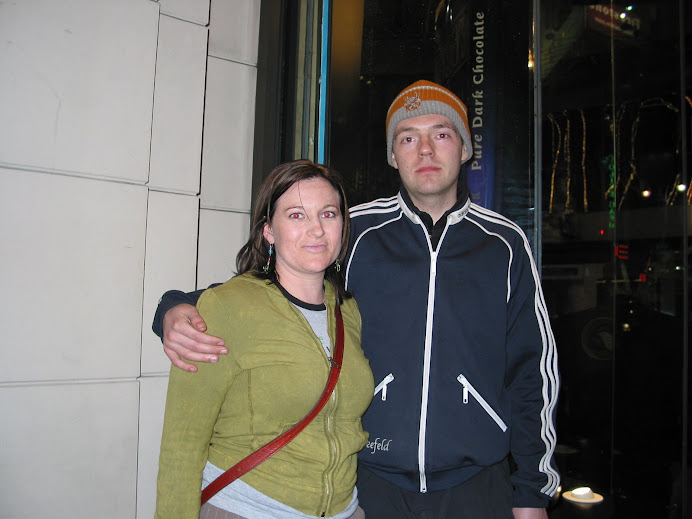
426	98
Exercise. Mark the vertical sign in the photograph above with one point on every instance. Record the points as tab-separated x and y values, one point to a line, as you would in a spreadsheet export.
482	105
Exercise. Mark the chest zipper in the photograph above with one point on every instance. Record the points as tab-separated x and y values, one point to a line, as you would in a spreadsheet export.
468	388
332	444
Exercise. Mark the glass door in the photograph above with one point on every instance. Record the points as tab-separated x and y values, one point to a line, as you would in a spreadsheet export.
615	200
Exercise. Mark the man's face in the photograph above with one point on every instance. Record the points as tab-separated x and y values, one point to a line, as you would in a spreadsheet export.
428	153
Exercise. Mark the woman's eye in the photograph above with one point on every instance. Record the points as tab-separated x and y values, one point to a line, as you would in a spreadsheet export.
329	214
295	215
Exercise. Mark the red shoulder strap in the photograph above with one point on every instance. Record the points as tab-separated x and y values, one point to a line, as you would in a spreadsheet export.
277	443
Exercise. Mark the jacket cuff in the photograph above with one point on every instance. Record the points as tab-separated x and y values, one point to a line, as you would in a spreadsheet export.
169	300
529	498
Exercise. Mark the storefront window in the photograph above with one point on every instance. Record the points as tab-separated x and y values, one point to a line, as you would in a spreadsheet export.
583	113
478	49
615	199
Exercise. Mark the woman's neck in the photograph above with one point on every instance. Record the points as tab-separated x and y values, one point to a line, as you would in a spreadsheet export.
309	290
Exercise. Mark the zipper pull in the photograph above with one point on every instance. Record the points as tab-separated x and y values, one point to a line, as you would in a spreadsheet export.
465	390
382	386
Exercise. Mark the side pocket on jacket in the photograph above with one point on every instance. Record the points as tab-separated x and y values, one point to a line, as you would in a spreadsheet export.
382	386
468	388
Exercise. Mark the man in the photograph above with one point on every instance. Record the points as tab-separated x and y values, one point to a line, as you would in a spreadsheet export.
456	330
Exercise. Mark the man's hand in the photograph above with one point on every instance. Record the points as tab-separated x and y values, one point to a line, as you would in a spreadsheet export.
530	513
184	338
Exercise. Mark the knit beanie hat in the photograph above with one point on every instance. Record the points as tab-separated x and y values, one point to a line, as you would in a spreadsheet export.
425	98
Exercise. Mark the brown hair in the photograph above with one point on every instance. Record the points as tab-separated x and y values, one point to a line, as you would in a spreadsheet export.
253	255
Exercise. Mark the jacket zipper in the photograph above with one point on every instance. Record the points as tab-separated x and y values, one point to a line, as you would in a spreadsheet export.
332	443
382	386
468	388
328	410
426	367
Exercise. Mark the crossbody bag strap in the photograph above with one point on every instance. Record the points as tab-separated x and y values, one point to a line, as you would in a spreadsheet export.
283	439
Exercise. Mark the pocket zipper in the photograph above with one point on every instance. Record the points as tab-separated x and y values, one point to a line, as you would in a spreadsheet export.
382	386
468	388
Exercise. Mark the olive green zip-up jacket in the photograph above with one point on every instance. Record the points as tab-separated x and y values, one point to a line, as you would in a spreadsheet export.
272	377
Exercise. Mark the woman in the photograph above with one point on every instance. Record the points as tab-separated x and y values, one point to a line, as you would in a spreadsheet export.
277	316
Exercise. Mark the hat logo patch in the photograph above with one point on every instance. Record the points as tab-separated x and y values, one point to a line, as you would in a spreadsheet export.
412	102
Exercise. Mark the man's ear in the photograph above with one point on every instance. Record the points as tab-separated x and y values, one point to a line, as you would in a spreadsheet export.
394	165
465	153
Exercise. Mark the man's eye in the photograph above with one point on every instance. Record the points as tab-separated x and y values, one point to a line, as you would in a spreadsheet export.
407	139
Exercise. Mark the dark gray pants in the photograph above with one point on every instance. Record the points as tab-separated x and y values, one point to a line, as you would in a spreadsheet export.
488	495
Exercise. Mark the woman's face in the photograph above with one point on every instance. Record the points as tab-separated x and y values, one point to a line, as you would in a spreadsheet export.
305	229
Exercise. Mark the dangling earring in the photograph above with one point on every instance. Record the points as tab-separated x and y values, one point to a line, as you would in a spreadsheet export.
337	265
269	258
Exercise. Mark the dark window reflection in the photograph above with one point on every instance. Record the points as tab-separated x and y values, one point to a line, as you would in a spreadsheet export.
478	49
613	194
614	198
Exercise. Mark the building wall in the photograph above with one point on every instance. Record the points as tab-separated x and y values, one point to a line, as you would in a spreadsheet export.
125	170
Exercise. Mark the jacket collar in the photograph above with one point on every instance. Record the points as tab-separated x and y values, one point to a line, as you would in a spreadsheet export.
279	290
453	216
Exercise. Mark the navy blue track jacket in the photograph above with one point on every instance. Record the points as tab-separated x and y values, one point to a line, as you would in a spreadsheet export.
461	348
